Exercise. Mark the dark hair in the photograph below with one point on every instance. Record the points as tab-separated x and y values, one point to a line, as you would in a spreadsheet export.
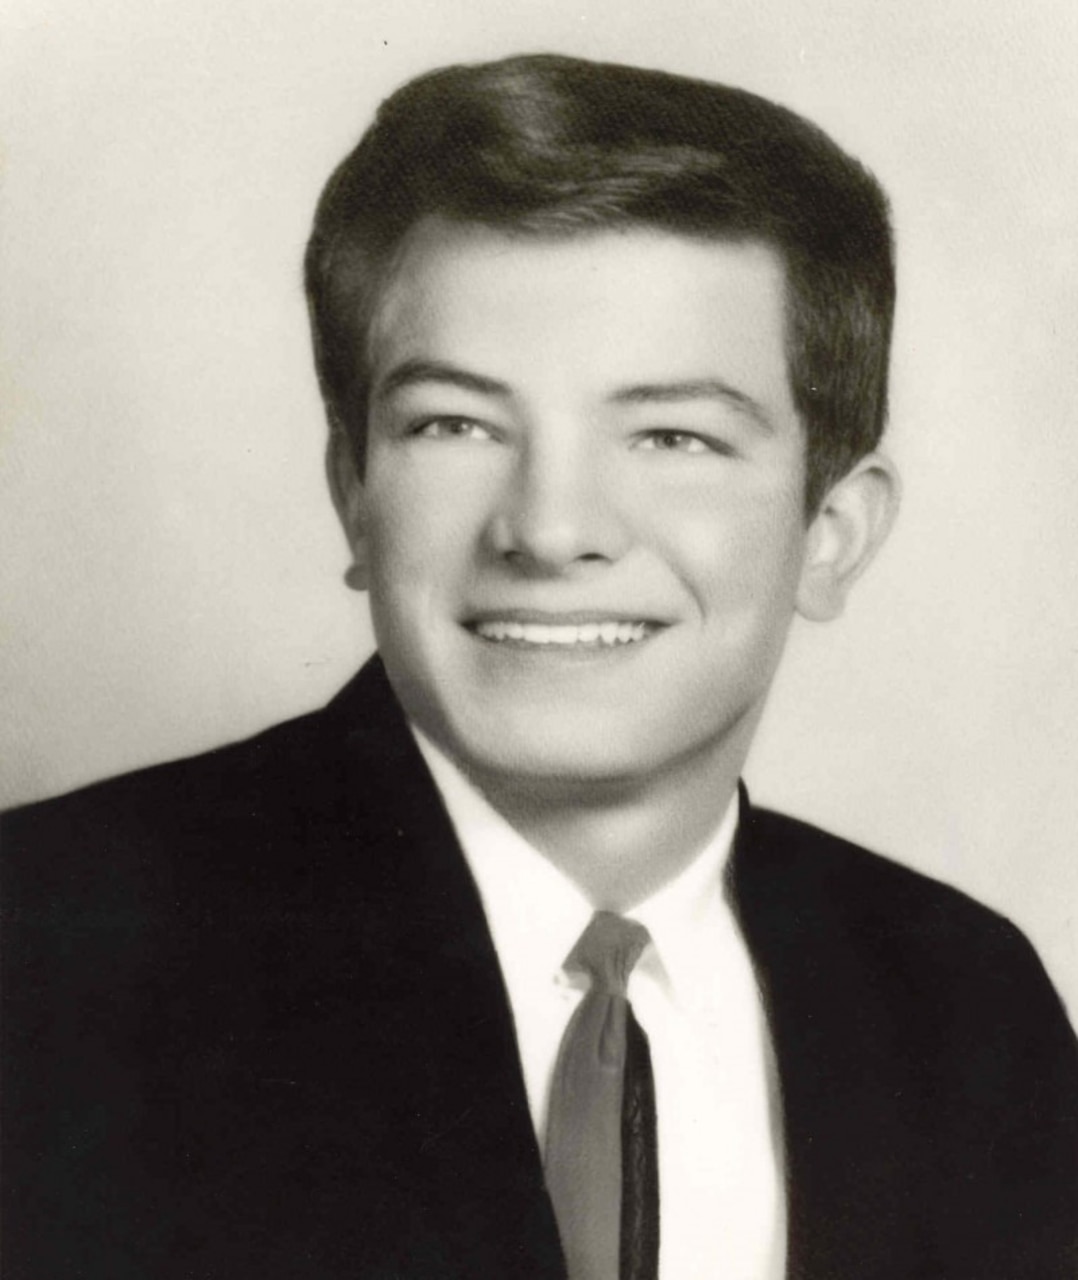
551	146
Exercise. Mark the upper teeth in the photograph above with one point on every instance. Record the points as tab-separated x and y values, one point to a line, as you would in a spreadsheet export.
585	633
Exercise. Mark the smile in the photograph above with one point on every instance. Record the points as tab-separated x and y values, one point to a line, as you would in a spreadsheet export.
594	635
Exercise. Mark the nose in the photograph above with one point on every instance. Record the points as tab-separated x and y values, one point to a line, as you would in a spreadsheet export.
559	511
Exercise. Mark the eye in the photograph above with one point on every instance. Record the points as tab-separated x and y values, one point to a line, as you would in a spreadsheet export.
670	440
449	428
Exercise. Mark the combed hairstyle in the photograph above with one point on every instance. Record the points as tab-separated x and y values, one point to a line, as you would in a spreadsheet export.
553	146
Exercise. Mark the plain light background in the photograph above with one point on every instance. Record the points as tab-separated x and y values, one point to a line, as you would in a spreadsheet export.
170	570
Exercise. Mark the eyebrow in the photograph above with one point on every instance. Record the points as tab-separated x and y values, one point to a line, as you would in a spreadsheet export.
414	372
696	389
410	373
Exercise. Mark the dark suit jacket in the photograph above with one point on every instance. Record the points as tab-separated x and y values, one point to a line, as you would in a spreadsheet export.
255	1029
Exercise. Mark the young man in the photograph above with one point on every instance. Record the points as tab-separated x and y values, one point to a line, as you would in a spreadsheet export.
489	969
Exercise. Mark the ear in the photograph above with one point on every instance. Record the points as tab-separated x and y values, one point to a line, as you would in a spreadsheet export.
851	525
349	500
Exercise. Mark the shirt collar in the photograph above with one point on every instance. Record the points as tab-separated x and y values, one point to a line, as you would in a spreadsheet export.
689	920
536	914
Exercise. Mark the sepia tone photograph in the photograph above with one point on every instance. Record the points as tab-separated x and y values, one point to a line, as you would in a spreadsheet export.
538	640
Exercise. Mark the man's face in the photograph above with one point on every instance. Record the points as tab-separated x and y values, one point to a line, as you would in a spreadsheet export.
582	510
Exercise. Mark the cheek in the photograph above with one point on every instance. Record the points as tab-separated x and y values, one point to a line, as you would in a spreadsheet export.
424	524
737	558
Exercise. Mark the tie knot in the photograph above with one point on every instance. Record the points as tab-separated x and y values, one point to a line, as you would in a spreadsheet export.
607	950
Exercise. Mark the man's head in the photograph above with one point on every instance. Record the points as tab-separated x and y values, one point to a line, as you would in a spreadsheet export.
592	341
548	146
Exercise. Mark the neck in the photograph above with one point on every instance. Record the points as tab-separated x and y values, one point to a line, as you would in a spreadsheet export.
623	842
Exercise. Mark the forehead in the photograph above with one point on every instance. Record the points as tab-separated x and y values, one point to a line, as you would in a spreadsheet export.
605	305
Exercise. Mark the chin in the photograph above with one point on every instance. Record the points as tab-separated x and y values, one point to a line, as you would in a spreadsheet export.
572	754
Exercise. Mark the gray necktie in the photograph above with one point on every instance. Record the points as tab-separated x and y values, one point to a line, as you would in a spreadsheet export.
601	1159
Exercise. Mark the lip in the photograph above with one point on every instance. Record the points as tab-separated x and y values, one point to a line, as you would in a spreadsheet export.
567	618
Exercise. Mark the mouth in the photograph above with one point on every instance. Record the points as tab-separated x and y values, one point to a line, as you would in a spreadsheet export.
562	635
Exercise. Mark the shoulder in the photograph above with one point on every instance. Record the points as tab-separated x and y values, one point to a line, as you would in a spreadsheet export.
240	779
890	938
302	748
285	842
247	801
917	1029
825	874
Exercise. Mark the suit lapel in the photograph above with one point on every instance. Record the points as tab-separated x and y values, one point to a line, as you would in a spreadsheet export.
848	1154
444	1035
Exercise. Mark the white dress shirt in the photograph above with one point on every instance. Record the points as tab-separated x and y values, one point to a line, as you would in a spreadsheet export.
693	991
